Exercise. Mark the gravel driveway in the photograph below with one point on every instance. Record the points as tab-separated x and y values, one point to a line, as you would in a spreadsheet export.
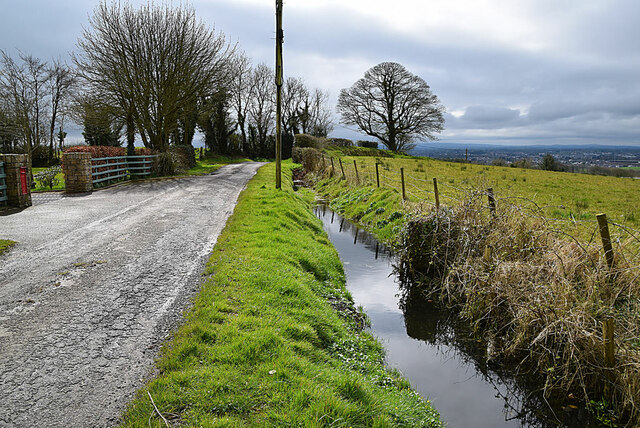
94	286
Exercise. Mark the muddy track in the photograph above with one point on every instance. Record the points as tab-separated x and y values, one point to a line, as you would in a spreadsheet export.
94	286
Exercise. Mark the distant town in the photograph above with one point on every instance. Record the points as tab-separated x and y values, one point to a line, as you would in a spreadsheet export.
577	157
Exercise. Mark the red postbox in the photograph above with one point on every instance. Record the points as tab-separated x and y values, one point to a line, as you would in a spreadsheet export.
23	180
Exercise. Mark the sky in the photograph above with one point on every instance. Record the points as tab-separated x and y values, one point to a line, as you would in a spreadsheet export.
513	72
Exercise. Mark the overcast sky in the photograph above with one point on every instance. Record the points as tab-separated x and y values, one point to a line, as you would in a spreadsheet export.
507	71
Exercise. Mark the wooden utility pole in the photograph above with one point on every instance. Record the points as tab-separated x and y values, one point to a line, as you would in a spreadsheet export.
279	40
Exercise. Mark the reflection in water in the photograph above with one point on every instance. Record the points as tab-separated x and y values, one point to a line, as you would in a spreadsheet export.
435	351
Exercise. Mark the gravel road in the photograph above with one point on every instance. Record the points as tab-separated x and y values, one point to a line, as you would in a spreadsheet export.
94	286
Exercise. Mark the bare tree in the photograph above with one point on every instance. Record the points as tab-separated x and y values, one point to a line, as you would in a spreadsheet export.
22	86
262	108
154	63
392	105
295	106
61	82
320	115
241	89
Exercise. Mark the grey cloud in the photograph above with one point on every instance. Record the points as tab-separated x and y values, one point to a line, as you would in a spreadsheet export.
489	115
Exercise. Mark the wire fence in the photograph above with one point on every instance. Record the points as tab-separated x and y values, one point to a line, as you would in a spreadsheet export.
419	189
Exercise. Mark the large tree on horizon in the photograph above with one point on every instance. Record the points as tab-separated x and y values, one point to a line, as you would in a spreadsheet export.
392	105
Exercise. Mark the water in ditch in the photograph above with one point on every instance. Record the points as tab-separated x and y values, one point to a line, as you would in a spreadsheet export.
436	352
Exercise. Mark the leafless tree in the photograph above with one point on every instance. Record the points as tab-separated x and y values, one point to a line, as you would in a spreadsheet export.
154	63
262	107
392	105
60	84
22	87
304	110
321	122
241	90
295	107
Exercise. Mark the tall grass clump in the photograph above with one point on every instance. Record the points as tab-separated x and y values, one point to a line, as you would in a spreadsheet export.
537	294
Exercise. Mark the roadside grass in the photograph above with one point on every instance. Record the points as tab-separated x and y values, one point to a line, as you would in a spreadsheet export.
273	338
212	163
5	245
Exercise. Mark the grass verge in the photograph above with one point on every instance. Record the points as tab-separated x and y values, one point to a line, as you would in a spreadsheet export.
273	338
5	245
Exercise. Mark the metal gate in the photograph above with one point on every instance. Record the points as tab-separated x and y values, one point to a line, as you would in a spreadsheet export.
3	185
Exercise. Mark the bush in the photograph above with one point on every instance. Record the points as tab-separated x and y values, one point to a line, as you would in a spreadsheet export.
47	178
368	144
309	157
522	163
340	142
186	155
98	151
164	164
306	140
40	156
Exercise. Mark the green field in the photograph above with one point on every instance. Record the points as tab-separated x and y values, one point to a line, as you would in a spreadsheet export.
557	195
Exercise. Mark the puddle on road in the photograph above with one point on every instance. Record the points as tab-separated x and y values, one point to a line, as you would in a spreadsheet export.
434	351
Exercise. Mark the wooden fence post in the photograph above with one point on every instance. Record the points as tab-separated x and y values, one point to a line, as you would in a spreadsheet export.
492	201
608	324
377	175
355	166
344	177
435	192
404	195
603	225
488	254
333	168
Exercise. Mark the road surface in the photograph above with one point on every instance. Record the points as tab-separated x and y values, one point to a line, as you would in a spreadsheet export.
94	286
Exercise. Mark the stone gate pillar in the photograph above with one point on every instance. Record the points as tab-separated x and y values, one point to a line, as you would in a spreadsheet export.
77	172
18	180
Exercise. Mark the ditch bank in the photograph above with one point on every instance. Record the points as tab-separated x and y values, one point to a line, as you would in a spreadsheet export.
541	317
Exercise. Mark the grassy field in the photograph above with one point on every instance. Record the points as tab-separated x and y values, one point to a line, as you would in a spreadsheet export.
559	195
5	245
273	338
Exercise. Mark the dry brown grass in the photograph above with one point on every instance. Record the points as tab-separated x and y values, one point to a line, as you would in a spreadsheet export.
541	295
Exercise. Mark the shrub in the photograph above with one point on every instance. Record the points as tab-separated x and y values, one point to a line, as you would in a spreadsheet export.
164	164
186	155
522	163
367	144
306	140
47	178
309	157
98	151
340	142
